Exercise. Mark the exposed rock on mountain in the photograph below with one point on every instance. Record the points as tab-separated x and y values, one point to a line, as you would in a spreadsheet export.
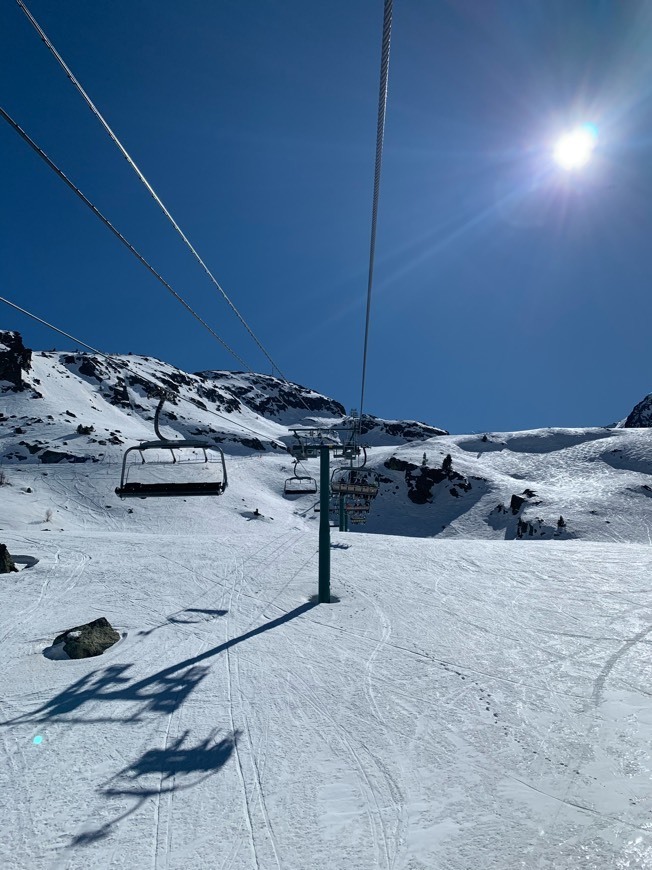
640	416
287	403
421	479
380	433
15	359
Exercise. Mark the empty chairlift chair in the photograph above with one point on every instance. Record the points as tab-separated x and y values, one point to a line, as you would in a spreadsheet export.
300	484
169	468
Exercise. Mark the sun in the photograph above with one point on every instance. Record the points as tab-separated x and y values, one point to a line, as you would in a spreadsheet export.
573	150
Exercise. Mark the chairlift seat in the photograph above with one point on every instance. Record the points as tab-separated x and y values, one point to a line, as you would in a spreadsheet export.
300	486
142	490
347	488
172	488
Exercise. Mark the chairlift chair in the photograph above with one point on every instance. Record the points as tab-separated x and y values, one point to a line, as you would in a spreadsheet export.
355	481
300	484
358	518
357	506
184	473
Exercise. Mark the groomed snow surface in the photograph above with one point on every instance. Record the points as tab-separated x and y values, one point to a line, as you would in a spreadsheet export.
465	704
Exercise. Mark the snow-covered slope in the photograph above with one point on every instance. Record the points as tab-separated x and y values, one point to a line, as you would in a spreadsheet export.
472	699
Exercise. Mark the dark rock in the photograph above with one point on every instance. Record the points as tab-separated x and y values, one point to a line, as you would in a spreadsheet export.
396	464
31	448
516	503
50	457
15	359
6	562
268	396
85	430
406	430
91	639
89	369
421	479
252	443
639	418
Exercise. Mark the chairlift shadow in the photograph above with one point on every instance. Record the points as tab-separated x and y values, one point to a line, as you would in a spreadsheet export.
172	768
160	693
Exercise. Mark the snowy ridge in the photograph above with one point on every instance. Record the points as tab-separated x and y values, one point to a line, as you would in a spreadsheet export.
286	403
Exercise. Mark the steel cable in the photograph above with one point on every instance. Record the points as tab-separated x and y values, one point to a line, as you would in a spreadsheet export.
380	136
121	363
116	232
142	178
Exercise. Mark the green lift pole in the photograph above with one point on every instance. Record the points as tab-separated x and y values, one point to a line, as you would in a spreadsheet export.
324	526
342	515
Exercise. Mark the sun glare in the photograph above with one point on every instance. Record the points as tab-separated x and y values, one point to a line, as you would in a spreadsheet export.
573	150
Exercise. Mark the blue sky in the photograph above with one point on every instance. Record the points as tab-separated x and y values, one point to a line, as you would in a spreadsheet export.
508	294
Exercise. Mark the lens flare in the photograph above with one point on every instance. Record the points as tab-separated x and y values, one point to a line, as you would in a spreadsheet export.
573	150
38	740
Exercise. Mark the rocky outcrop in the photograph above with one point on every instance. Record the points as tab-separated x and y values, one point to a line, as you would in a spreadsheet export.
641	415
282	401
86	641
377	432
50	457
15	359
421	479
6	562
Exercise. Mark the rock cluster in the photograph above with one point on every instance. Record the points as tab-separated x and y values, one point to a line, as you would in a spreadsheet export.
421	479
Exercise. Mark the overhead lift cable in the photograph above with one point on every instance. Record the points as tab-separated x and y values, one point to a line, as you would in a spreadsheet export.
116	364
116	232
142	178
380	136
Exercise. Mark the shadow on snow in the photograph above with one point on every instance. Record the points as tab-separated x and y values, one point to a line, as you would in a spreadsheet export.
176	767
161	693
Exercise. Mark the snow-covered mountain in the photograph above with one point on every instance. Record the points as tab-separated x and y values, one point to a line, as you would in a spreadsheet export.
49	396
476	696
82	408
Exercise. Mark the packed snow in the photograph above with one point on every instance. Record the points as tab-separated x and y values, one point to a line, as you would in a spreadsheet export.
475	696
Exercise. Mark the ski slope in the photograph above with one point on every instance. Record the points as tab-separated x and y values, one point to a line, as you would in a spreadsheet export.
464	703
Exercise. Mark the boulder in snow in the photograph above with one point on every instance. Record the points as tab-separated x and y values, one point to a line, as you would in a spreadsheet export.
6	562
91	639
